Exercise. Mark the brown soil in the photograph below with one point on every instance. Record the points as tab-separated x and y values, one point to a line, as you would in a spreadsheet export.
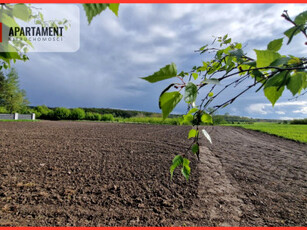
99	174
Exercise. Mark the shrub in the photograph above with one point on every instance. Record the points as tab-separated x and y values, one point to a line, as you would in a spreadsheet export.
93	116
61	113
77	114
89	116
3	110
42	112
37	114
219	120
107	117
50	115
25	110
299	122
97	116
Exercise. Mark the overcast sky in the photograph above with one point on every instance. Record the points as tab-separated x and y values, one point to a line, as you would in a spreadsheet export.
116	51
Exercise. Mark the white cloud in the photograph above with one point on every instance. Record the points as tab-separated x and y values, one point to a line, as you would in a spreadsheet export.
266	108
286	118
290	103
302	110
162	31
259	108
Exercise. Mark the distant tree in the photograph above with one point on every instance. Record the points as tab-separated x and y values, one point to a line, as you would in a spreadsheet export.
219	120
92	116
299	122
107	117
12	98
3	110
77	114
42	111
61	113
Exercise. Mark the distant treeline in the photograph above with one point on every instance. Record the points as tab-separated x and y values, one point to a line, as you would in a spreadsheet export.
299	122
118	112
118	115
61	113
113	115
230	119
114	112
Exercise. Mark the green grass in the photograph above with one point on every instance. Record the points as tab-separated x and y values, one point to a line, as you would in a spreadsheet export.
293	132
149	120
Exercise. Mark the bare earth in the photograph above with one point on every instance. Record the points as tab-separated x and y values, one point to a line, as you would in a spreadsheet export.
99	174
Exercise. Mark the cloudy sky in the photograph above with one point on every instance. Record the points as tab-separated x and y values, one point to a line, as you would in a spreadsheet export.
116	51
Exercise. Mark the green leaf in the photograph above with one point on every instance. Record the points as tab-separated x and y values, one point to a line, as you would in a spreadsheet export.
301	18
273	93
227	41
41	16
210	94
251	63
183	74
237	53
195	148
296	82
206	134
238	46
185	162
190	93
166	72
278	80
193	133
275	45
177	161
22	12
94	9
10	22
280	61
203	47
186	168
188	118
168	102
166	89
212	81
114	7
195	76
294	61
266	57
304	86
290	33
206	118
193	110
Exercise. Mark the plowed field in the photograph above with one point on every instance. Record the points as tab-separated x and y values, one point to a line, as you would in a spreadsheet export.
103	174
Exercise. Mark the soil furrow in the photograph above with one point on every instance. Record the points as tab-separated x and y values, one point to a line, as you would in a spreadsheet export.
105	174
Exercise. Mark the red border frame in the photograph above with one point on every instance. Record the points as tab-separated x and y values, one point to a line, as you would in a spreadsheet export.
153	228
152	1
156	1
0	32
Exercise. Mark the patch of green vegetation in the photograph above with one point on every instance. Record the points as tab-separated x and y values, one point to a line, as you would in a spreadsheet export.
150	120
289	131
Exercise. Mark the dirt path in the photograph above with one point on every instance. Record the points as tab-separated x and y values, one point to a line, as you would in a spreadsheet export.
257	179
99	174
